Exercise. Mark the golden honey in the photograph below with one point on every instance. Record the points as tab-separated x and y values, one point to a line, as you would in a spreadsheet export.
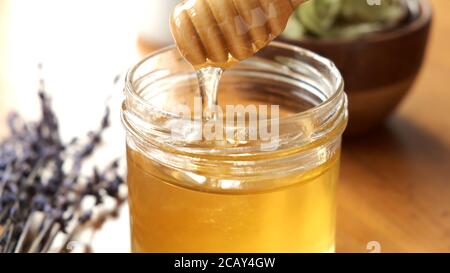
170	218
233	195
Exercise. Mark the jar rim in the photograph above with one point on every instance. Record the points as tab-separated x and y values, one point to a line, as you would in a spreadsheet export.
329	115
339	86
309	138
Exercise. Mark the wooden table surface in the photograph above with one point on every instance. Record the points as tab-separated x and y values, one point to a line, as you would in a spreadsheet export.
395	184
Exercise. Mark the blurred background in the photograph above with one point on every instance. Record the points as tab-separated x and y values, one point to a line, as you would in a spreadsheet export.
395	179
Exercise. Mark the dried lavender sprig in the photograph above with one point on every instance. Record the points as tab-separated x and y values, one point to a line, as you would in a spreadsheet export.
40	143
52	235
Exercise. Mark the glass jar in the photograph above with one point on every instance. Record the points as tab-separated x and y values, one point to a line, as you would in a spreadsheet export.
188	194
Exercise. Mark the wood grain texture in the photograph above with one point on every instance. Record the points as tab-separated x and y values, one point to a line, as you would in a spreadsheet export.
395	184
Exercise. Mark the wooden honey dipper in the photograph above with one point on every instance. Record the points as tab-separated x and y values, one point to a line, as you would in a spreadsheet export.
220	32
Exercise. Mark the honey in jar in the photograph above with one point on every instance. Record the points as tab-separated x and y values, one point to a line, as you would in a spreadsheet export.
191	194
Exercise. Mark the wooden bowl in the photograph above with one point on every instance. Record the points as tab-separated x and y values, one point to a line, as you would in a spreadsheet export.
379	69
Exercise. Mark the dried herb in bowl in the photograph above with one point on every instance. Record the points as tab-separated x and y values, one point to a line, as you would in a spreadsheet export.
44	195
345	18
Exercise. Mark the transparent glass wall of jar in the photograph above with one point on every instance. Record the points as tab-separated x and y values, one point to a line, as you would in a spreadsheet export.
192	195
